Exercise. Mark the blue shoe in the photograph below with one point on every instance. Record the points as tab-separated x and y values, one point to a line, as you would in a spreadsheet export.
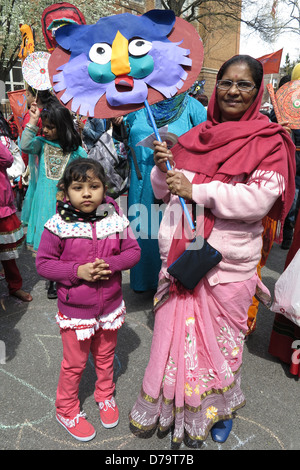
221	430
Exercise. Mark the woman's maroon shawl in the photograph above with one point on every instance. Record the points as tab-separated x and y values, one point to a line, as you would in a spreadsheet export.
217	150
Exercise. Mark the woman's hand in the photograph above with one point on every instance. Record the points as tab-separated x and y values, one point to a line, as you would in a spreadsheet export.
93	272
117	121
162	155
179	184
34	114
80	124
285	125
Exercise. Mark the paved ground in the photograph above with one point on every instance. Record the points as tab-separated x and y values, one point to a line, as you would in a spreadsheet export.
29	373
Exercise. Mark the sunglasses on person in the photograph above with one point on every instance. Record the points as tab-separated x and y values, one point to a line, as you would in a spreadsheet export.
242	85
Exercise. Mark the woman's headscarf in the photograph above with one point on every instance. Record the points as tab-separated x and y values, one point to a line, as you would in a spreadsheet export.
217	150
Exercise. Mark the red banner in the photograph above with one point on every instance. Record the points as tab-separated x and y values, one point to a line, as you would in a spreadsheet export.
17	100
271	62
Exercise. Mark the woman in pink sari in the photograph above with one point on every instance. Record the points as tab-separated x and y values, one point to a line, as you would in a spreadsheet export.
239	168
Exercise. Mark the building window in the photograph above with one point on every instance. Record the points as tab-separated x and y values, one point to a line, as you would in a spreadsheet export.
14	81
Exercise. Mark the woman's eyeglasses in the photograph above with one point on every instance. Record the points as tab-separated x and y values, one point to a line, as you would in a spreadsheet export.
242	85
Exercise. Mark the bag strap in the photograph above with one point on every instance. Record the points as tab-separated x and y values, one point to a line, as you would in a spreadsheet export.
107	148
125	142
194	214
136	167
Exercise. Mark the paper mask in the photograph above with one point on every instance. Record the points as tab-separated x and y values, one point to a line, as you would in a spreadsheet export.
55	16
27	46
110	68
35	70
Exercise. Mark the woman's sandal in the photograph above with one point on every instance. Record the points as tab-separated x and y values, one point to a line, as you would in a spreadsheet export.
221	430
22	295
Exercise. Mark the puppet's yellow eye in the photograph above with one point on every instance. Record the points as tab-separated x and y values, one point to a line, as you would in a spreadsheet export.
100	53
139	47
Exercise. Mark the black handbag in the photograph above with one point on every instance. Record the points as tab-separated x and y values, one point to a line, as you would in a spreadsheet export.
195	262
199	258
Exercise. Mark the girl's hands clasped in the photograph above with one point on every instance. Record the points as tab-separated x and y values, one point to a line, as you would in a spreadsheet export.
177	182
92	272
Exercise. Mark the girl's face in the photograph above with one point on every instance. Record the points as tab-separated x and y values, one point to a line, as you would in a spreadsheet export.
86	196
49	130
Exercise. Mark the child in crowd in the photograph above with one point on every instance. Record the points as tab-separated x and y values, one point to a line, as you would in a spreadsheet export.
11	233
42	98
59	145
84	248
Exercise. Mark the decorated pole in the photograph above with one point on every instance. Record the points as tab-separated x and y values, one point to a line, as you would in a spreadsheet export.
182	201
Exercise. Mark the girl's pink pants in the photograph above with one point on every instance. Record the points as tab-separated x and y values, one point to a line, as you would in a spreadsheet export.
75	355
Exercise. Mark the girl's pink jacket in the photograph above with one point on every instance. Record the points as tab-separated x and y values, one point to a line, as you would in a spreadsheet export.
65	246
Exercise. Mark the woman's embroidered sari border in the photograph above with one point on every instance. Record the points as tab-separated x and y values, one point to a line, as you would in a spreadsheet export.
194	409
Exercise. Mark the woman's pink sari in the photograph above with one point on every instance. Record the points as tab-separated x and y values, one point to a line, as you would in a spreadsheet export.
193	376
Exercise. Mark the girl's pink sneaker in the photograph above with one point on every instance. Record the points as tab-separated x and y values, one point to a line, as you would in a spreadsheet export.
78	426
109	413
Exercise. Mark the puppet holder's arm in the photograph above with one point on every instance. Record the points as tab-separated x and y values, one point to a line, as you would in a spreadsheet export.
182	201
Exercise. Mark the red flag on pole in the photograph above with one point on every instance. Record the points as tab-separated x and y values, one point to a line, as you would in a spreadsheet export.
17	100
18	104
271	62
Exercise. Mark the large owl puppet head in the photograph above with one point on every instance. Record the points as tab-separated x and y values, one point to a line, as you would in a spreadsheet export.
111	68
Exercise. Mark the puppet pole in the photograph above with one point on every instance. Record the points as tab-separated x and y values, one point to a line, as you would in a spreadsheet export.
182	201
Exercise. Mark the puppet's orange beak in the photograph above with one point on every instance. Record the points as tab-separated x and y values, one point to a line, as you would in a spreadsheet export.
119	57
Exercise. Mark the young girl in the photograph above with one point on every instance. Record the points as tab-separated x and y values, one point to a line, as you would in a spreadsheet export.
11	233
84	248
59	145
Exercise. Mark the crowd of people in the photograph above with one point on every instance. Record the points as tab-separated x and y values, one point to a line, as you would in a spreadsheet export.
235	163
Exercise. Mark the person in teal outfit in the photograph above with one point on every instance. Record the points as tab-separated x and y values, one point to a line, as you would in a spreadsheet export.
42	98
59	145
180	114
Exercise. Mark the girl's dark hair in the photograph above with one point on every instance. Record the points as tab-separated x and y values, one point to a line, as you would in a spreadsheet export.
283	80
4	127
44	96
60	117
254	65
78	170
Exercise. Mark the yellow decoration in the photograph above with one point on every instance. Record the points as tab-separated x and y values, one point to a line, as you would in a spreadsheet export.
211	412
119	56
188	389
27	46
296	72
235	351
